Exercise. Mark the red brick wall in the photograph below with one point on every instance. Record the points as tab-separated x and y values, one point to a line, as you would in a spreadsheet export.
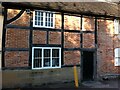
39	37
88	40
88	23
106	46
17	38
72	40
71	22
71	57
54	37
16	59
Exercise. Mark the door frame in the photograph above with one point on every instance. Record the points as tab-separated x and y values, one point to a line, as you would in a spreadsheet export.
94	50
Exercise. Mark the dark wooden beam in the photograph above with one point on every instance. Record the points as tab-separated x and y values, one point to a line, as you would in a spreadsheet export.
4	37
71	49
47	29
62	39
92	32
95	35
18	27
72	31
88	49
16	17
16	49
30	39
46	45
81	34
78	65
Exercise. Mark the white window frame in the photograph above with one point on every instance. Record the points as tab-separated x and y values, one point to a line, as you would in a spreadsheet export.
117	57
116	26
83	28
50	67
44	21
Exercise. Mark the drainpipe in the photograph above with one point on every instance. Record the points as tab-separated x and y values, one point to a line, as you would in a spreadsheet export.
1	28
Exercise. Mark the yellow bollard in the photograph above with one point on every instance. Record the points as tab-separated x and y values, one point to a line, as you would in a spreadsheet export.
75	76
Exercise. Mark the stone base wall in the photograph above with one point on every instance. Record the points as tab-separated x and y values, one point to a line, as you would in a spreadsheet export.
26	78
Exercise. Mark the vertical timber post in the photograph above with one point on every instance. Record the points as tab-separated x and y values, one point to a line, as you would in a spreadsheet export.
4	37
95	55
30	40
81	46
62	39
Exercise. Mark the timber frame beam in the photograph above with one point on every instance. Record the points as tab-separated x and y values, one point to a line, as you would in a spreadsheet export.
16	17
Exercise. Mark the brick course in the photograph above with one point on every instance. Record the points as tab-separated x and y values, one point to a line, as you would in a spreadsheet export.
17	38
72	40
71	57
39	37
16	59
54	37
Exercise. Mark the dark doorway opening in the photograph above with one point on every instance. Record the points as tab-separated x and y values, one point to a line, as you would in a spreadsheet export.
88	65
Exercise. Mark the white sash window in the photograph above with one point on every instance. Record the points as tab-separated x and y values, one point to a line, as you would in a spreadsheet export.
116	27
43	19
117	57
46	57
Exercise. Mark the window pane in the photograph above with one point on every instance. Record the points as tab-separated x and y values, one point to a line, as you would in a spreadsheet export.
38	18
46	14
41	23
41	14
37	57
38	13
35	22
46	24
51	24
41	19
46	62
48	19
35	12
55	53
35	17
38	23
55	62
37	63
46	52
37	53
51	14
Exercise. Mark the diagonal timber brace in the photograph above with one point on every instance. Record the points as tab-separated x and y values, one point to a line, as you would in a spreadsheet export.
16	17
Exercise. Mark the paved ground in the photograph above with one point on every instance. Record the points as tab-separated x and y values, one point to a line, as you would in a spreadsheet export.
114	83
102	84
